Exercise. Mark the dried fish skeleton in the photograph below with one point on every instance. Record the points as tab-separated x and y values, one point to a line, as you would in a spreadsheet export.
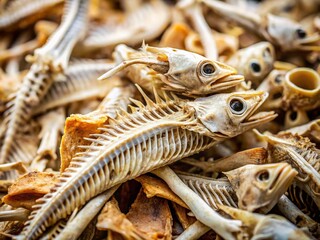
259	196
152	136
49	62
217	192
184	72
302	155
282	32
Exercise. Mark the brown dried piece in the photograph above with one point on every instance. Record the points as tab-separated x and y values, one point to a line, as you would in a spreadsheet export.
77	127
28	188
151	216
156	187
181	213
175	36
111	218
126	194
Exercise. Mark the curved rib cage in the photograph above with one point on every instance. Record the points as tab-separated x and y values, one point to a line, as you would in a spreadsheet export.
305	159
213	192
308	178
81	82
304	202
134	144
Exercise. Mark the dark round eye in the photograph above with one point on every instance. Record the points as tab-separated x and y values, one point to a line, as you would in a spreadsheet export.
255	67
237	106
301	33
288	8
293	116
278	79
263	176
207	69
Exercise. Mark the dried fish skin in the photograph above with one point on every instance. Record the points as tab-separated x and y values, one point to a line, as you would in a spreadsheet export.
151	216
155	187
28	188
77	128
112	218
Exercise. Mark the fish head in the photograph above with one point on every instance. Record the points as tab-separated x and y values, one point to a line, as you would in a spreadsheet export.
259	187
228	115
273	84
254	62
290	35
188	73
192	73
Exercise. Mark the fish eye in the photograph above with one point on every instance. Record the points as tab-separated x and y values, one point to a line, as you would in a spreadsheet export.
288	8
263	176
237	106
207	69
255	67
301	33
278	78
